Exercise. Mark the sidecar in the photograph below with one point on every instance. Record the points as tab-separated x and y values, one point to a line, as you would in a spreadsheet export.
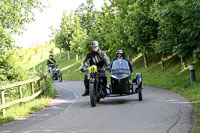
121	82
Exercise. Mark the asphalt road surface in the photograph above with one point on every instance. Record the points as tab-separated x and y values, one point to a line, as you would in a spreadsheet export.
161	111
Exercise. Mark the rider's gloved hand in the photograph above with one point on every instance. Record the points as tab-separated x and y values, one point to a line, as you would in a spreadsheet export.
83	69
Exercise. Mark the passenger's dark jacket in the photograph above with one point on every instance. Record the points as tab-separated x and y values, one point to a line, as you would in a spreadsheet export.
51	62
98	58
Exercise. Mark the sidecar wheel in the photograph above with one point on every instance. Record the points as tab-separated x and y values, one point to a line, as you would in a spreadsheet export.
92	95
140	93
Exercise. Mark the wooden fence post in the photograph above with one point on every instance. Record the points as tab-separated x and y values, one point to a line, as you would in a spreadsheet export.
45	82
3	102
39	86
18	85
32	88
20	93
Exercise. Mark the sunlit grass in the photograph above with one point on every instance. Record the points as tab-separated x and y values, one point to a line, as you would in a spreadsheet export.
24	110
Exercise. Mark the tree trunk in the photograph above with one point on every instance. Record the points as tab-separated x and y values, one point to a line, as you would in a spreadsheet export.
68	55
60	54
162	61
76	58
183	62
145	60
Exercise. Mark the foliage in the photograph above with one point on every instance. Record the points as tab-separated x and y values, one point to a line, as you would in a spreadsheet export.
86	13
10	72
14	14
179	26
50	92
78	37
36	64
148	27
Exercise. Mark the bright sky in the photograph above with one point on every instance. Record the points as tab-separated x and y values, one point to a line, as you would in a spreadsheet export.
38	31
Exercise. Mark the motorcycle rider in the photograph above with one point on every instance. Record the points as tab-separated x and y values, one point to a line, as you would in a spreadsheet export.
51	63
121	55
99	58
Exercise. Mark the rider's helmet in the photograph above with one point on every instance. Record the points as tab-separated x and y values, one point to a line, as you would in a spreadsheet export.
121	52
94	44
50	54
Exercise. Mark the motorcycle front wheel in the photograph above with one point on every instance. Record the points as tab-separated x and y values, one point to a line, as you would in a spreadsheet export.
92	95
59	76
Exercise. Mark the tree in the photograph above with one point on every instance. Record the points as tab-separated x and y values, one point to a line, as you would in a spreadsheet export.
66	31
178	26
78	38
123	24
141	27
86	13
56	39
14	14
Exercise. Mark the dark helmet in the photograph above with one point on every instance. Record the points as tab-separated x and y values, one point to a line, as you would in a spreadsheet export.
50	54
94	44
120	52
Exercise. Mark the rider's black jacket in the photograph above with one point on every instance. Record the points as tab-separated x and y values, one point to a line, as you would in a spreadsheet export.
98	58
51	62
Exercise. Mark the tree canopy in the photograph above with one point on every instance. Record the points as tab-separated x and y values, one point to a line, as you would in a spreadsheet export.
139	26
14	14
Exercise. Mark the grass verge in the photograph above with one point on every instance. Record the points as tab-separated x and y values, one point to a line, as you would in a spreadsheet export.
21	111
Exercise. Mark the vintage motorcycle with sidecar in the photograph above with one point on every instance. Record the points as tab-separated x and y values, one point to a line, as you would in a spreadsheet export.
121	83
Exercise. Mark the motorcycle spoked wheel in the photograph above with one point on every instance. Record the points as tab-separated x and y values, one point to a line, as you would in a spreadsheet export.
93	98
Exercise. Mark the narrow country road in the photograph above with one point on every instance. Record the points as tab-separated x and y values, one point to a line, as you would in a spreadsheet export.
161	111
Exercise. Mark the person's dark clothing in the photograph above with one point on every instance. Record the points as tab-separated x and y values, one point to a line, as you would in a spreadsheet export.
86	79
98	58
129	64
51	62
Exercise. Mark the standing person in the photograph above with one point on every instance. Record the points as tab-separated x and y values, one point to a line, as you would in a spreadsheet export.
99	58
51	63
120	55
